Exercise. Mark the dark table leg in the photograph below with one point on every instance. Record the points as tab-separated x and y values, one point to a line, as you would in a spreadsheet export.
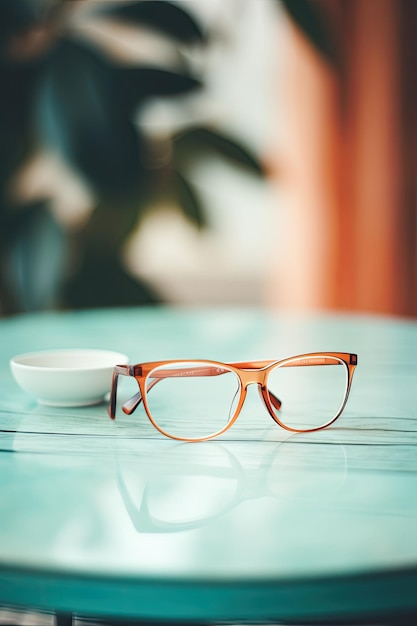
63	619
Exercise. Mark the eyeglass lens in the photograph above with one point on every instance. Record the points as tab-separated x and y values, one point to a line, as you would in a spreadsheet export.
311	395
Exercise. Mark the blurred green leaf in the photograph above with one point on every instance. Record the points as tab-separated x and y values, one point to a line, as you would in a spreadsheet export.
198	141
169	18
81	115
189	201
102	281
138	83
17	86
308	16
33	258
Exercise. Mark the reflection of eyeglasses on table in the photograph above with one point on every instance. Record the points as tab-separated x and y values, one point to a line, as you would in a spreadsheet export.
183	488
197	400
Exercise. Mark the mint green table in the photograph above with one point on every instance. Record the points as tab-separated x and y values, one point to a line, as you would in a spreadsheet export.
112	520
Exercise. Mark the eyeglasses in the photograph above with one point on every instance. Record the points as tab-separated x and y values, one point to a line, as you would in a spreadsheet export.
195	400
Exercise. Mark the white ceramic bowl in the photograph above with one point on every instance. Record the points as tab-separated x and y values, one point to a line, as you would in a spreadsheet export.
66	377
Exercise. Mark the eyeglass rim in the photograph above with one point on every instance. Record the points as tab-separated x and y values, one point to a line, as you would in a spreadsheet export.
349	368
141	372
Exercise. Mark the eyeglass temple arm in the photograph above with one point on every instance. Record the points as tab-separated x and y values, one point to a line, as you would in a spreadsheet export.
124	370
305	361
132	404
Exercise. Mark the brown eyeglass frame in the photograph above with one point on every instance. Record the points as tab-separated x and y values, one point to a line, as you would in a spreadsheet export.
253	372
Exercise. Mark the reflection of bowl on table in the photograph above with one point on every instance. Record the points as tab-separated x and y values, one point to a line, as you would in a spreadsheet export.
67	377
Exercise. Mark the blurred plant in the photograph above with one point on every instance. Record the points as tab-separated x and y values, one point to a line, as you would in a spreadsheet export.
62	91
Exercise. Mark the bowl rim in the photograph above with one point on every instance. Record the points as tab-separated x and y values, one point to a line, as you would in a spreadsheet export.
16	361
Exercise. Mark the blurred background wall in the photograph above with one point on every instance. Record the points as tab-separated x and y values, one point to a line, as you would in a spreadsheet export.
346	164
255	152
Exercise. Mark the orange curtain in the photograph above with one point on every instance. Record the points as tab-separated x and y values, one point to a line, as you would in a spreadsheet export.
345	163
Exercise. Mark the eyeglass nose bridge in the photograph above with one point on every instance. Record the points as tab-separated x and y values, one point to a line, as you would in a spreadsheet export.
259	378
253	377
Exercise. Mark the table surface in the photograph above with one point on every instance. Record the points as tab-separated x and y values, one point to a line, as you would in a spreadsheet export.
104	518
